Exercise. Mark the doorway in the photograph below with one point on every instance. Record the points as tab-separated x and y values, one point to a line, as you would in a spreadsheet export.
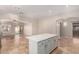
75	29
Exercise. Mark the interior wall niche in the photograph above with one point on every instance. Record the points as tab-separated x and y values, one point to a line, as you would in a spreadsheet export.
75	29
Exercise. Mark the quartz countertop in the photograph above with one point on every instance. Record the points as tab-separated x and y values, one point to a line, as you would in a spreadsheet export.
40	37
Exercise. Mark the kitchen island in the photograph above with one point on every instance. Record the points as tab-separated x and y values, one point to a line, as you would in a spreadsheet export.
42	43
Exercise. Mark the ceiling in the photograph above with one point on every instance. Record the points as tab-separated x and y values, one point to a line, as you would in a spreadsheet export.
37	11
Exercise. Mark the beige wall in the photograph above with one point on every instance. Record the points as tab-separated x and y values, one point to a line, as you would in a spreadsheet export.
47	26
35	27
44	26
28	29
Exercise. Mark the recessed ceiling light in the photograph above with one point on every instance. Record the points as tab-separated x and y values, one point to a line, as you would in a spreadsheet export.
50	12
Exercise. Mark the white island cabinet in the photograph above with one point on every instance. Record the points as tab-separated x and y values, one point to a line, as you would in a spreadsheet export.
42	44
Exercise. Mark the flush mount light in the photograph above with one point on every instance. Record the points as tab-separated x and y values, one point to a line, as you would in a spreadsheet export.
64	24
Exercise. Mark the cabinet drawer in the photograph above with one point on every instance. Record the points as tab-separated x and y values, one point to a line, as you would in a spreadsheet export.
41	47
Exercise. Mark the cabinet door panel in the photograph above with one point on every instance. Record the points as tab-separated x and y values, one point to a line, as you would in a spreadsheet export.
54	42
41	47
51	44
48	46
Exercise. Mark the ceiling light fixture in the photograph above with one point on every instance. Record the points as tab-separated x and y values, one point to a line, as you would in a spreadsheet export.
50	12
